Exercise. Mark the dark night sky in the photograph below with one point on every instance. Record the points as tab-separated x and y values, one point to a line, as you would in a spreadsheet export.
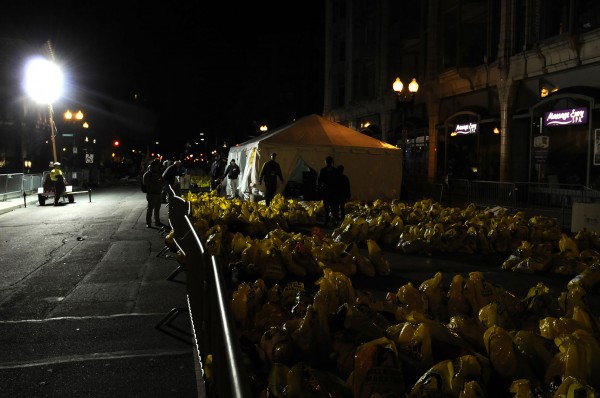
198	67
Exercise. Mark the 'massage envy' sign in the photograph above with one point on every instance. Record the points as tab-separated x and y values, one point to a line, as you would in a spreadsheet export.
566	117
467	128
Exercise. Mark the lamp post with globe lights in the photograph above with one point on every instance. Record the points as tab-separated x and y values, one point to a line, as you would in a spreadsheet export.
405	102
75	125
44	84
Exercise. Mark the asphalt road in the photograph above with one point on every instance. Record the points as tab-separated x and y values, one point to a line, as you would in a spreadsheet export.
82	292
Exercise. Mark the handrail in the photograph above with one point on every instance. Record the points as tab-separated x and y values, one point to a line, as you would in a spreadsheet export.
229	347
212	323
209	295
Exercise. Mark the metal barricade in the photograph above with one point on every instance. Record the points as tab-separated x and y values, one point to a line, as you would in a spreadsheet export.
420	188
31	182
209	292
458	193
551	199
11	185
492	193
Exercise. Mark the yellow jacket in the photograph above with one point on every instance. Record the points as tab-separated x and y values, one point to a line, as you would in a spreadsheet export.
54	173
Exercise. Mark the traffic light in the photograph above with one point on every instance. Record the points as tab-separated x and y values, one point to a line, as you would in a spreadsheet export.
116	143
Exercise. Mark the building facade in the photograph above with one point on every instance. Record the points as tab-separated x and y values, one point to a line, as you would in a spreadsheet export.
508	89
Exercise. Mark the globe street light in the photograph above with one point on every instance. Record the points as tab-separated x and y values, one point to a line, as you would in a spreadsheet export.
70	116
44	84
74	123
405	102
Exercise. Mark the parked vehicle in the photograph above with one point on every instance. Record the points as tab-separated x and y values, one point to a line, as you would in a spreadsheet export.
46	191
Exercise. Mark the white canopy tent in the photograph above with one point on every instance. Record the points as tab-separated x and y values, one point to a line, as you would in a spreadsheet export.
374	167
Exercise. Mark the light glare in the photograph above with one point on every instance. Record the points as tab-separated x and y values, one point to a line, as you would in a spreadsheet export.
43	80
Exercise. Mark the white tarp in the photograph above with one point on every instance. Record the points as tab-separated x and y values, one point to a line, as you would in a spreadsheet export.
373	166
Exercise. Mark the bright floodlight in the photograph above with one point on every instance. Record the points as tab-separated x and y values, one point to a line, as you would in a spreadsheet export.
43	80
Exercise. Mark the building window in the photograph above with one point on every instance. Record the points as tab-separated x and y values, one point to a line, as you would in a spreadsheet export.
587	16
554	18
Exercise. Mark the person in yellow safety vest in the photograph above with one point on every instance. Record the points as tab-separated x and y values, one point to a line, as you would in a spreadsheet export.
56	175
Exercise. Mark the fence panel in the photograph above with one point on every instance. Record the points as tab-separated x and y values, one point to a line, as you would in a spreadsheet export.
493	193
31	182
545	199
14	182
3	182
458	192
553	195
416	189
11	185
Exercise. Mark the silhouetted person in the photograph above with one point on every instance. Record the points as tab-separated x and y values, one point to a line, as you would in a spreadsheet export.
171	174
217	168
231	173
344	192
153	181
309	184
269	173
327	186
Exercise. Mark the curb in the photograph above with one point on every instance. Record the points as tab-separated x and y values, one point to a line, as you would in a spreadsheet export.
8	209
15	203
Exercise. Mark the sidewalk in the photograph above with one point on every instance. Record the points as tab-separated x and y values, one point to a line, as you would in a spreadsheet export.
11	204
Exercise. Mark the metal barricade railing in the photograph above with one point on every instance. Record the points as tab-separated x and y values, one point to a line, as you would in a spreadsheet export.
492	193
209	293
17	185
213	326
458	193
11	185
31	182
546	199
414	188
554	195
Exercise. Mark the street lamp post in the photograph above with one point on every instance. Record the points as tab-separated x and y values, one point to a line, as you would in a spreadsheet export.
404	102
76	124
43	83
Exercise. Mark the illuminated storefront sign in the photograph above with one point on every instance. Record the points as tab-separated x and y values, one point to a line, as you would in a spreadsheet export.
467	128
566	117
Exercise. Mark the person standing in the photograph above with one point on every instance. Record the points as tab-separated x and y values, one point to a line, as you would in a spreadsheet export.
269	173
344	192
217	168
327	189
153	181
58	180
171	176
164	193
232	173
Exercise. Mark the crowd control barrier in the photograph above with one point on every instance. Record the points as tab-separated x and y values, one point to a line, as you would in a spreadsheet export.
551	199
209	293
